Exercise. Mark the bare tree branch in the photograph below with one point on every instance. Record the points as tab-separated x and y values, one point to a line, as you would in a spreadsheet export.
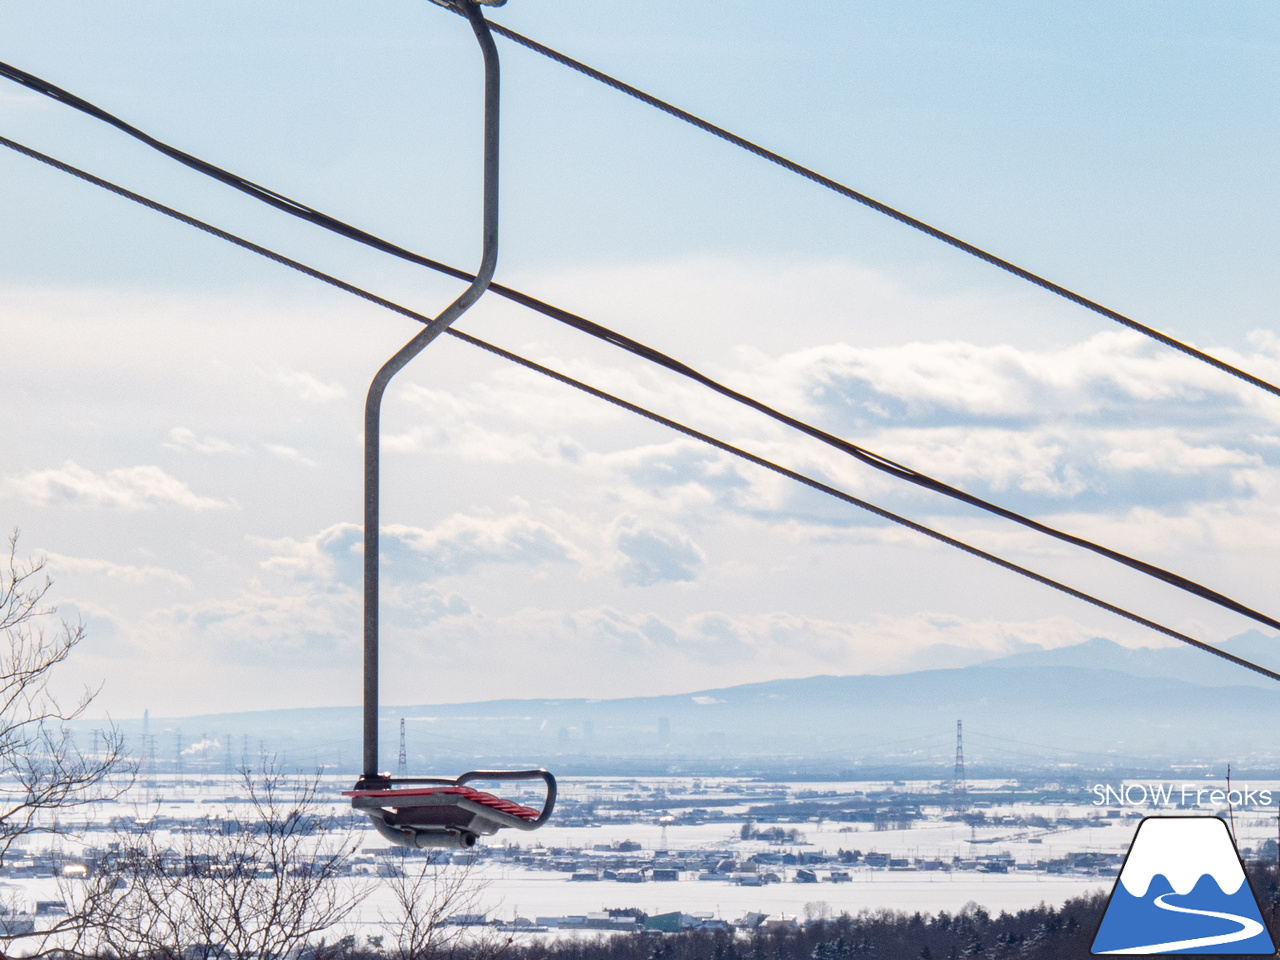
43	775
426	893
260	884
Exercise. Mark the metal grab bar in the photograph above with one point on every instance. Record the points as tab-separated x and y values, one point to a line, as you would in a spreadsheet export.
548	803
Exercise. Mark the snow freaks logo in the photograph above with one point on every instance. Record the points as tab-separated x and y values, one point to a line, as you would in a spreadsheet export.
1182	889
1186	795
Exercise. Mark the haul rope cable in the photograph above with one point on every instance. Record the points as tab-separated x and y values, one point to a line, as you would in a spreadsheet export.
884	208
872	459
297	209
641	411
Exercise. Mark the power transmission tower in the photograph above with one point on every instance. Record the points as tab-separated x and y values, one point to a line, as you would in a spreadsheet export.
662	841
958	786
148	761
150	747
402	765
177	759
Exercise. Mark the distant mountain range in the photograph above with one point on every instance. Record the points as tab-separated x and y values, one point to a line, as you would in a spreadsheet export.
1092	706
1171	663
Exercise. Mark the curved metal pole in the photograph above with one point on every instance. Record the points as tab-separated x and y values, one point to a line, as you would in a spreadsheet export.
373	403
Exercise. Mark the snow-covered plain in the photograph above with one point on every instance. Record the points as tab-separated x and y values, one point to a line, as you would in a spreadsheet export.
505	889
509	893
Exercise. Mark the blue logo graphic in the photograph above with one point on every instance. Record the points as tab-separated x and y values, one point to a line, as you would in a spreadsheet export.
1182	889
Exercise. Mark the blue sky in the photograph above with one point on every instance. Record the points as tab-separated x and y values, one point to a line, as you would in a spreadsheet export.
184	420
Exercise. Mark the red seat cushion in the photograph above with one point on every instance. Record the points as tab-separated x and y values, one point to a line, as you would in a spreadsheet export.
509	807
498	803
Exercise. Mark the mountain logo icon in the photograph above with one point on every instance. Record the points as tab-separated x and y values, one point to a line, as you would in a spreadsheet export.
1182	889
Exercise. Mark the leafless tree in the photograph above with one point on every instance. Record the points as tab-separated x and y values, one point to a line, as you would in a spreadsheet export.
44	777
263	881
425	893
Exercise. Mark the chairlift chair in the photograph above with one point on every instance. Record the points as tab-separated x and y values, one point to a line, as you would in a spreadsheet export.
434	811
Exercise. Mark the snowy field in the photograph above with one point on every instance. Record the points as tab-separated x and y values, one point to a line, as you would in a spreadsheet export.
509	893
506	890
506	894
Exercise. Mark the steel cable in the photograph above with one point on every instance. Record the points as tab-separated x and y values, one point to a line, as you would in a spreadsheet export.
641	411
883	208
293	207
872	459
869	457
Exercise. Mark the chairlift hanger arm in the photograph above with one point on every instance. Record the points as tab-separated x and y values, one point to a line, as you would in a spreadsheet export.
437	812
433	811
373	403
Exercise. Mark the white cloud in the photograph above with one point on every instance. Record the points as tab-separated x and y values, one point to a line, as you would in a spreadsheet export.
309	387
453	547
455	424
332	556
1227	529
912	380
116	571
462	542
705	302
183	439
14	96
1109	438
655	555
680	477
1165	450
595	652
316	627
258	628
289	453
603	652
1060	423
126	488
1062	461
476	443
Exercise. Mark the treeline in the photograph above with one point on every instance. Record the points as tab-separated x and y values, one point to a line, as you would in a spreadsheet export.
1042	932
1039	933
